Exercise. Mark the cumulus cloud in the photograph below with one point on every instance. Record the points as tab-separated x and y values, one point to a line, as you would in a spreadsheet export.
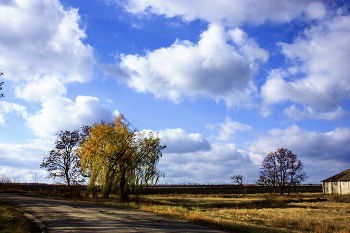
213	68
316	146
24	175
42	43
311	113
320	77
63	114
212	166
9	108
42	51
189	158
227	129
179	141
232	13
42	88
317	150
17	166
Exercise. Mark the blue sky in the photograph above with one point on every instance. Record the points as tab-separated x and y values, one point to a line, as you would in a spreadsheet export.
223	82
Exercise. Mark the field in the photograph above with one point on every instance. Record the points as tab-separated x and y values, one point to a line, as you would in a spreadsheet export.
258	212
307	210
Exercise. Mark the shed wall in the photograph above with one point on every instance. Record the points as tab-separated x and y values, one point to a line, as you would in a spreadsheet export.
345	187
327	187
339	187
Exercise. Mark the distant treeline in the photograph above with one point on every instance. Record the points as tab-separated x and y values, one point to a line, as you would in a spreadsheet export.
222	189
175	189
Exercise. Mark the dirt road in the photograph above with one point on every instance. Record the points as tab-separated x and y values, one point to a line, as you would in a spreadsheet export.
70	216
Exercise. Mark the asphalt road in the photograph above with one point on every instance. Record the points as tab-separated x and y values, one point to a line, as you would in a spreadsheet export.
70	216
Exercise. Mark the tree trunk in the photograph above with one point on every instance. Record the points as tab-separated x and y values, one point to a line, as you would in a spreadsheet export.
289	188
107	192
123	192
282	189
68	184
94	192
275	188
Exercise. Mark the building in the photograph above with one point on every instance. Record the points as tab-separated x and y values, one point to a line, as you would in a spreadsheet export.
337	184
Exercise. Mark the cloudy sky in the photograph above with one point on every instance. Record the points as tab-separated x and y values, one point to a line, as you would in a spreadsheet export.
223	82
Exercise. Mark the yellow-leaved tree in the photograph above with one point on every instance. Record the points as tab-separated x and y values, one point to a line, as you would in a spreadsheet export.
115	154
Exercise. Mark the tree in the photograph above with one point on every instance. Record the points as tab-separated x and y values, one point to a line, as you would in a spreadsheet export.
117	155
63	161
238	179
281	169
1	83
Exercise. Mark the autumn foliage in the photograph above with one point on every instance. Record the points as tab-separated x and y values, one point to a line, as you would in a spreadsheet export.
115	154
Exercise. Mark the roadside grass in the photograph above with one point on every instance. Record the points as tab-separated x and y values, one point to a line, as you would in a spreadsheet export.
257	212
13	221
303	212
315	213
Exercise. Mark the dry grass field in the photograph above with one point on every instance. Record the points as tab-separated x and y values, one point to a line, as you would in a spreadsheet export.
258	212
253	212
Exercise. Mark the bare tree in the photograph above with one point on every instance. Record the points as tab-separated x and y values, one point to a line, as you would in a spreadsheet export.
238	179
281	169
63	161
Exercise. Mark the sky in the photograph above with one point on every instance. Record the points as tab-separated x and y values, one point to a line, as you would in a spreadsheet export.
224	82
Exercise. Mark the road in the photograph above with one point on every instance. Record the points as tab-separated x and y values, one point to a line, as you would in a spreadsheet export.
71	216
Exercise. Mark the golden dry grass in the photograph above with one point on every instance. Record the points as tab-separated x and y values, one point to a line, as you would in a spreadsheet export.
252	212
257	213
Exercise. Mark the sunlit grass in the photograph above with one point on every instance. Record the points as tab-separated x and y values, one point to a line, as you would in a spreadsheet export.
315	213
256	213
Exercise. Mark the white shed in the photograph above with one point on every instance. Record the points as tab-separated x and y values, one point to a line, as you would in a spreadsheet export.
337	184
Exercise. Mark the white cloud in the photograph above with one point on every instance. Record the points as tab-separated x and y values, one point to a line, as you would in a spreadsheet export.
310	113
42	88
213	68
316	10
320	78
42	44
316	146
63	114
213	166
319	81
24	175
189	158
228	128
26	168
135	25
8	108
11	155
303	91
216	165
323	153
232	13
179	141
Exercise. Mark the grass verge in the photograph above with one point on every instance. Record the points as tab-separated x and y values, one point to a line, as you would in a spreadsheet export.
13	221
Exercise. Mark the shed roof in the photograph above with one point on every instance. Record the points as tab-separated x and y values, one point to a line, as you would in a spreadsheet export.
343	176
